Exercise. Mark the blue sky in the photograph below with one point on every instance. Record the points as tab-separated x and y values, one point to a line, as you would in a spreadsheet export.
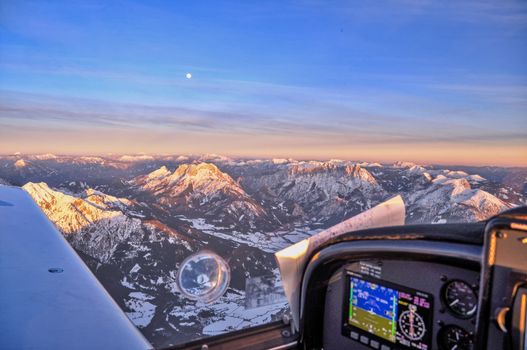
426	81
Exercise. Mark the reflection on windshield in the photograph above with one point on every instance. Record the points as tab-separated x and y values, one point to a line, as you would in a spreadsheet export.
204	276
134	223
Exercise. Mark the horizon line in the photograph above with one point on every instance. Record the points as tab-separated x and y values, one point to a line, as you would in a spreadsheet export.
269	158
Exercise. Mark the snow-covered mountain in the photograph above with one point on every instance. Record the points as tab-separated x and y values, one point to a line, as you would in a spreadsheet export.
202	189
316	191
453	199
203	181
93	224
134	219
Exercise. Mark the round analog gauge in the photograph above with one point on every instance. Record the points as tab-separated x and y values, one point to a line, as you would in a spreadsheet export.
412	324
460	298
454	338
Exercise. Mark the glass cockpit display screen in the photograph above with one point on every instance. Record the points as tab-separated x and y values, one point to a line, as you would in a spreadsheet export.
386	313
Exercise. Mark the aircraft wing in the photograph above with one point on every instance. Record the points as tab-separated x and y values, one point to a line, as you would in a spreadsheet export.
49	299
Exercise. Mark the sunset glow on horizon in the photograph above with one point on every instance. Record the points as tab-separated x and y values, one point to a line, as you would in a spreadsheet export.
415	81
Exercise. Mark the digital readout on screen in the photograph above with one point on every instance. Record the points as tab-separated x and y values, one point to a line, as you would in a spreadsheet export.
393	314
373	308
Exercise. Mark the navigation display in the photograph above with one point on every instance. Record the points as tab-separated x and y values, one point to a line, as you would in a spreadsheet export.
382	312
373	308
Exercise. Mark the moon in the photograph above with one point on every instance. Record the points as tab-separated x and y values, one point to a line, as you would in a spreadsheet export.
189	76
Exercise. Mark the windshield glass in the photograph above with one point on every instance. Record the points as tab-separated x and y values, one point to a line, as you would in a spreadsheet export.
151	131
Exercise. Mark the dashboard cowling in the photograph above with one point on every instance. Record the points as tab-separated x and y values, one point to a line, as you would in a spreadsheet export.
457	264
408	248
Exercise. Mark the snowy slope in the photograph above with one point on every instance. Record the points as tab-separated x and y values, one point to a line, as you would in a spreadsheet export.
93	229
202	189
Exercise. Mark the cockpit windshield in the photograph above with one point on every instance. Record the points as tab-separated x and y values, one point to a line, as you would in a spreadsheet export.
178	145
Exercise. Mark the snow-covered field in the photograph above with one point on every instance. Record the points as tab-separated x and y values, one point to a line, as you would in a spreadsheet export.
269	242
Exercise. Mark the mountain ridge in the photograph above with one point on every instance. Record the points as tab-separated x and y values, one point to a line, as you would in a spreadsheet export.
134	222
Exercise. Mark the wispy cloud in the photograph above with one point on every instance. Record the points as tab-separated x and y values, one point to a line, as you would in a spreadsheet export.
327	118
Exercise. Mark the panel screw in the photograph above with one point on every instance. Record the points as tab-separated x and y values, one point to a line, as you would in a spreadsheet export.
444	278
286	333
501	235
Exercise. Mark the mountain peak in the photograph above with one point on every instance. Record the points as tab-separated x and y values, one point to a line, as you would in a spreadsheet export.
455	199
214	157
201	185
36	187
105	201
278	161
353	171
135	158
89	223
403	164
20	164
204	178
312	167
198	169
45	156
159	173
69	213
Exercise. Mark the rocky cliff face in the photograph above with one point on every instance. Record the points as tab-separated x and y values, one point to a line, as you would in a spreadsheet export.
93	224
202	188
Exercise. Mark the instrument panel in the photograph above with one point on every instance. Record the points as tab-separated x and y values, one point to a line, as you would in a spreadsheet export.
401	305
